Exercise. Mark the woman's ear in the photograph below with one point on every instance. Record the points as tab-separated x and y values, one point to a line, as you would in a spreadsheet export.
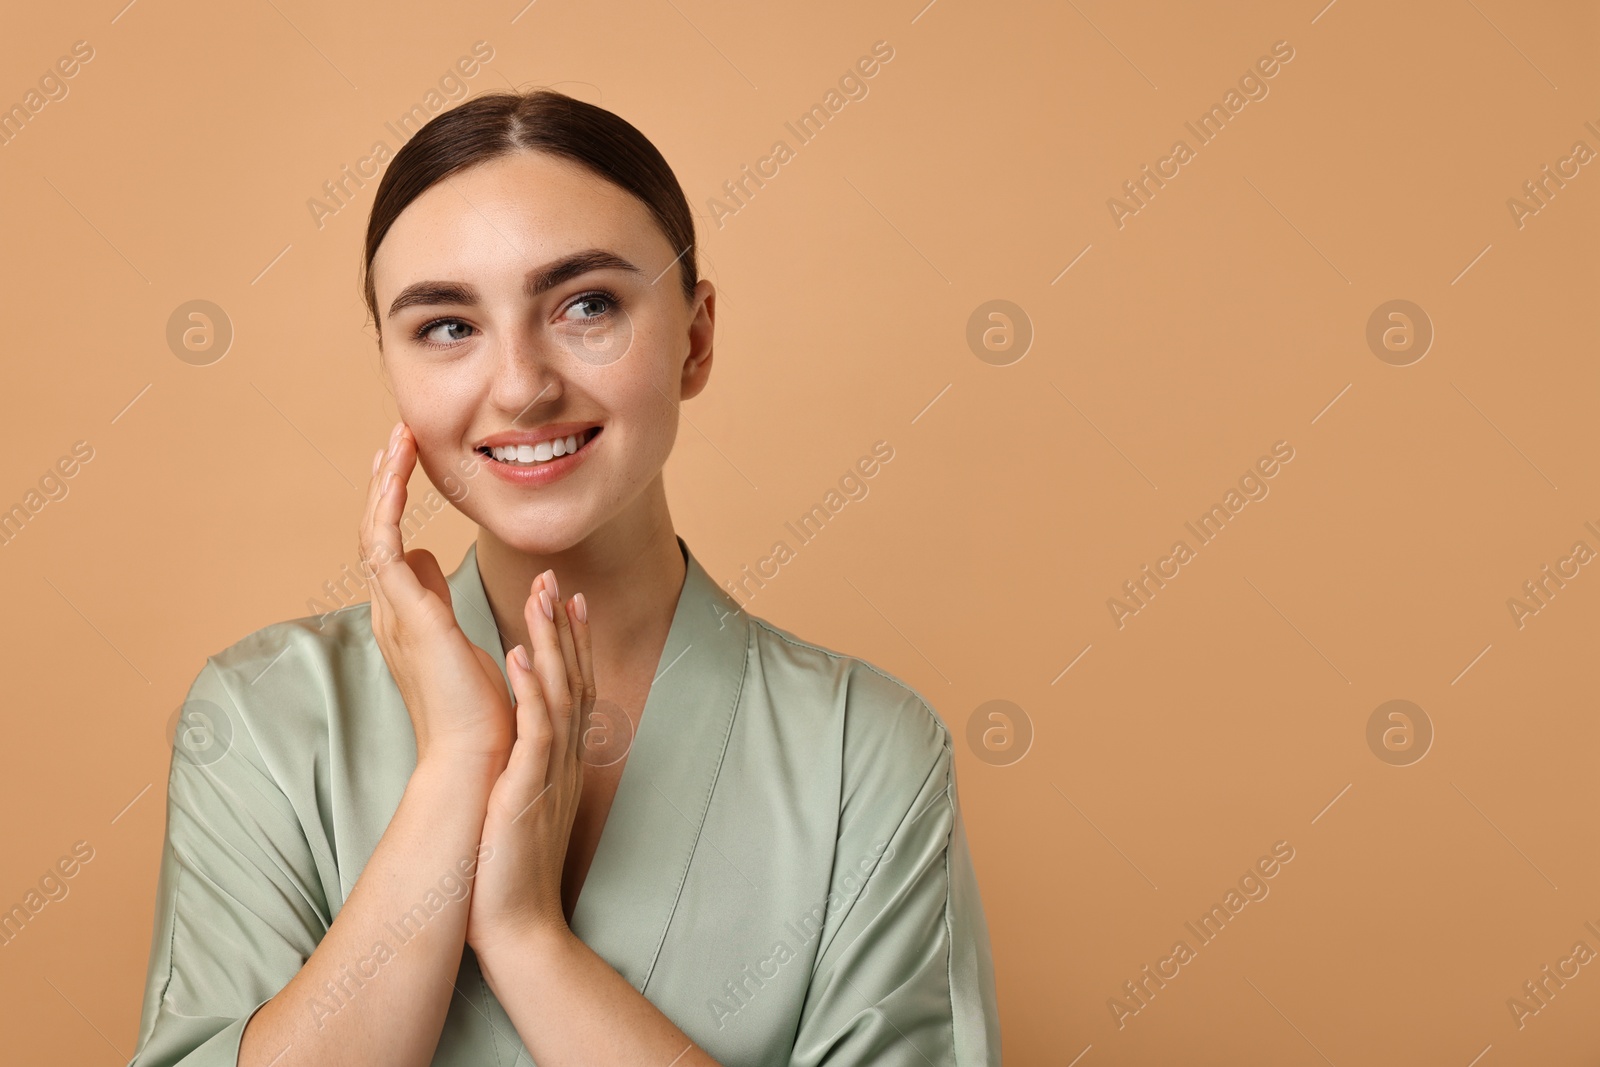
697	361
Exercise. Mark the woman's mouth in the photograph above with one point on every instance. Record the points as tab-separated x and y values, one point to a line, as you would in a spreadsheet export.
541	453
540	464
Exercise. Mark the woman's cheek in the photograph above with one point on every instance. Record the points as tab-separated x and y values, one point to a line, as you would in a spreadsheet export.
440	472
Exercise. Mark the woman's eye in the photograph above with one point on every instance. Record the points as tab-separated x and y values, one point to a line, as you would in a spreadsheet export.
593	306
430	333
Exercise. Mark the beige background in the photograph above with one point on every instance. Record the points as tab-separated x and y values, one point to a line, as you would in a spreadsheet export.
1228	314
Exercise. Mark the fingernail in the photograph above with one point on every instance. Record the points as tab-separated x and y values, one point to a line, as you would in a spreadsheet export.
580	607
544	603
388	480
522	658
394	433
377	458
550	581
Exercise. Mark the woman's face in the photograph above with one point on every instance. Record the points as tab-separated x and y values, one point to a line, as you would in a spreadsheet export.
525	299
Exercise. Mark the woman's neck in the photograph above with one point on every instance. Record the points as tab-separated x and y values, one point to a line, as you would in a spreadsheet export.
630	573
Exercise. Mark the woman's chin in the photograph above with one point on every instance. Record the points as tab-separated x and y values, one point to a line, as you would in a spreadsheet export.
537	535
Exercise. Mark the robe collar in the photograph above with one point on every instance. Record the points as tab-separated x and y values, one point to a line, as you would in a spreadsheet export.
655	821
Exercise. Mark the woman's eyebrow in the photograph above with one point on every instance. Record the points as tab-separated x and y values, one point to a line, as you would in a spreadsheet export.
539	280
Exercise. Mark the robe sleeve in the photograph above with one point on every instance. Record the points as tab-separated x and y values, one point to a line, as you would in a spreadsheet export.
239	905
904	977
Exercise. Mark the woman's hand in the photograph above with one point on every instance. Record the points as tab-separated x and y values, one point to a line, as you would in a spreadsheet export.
452	688
535	800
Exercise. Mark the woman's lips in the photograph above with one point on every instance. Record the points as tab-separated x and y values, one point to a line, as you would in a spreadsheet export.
538	474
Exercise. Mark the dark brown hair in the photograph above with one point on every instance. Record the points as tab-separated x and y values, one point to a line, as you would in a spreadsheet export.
499	123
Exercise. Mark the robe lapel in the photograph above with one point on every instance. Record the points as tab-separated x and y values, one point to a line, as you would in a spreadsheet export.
639	867
471	605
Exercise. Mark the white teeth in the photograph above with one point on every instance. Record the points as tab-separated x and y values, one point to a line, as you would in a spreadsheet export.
543	451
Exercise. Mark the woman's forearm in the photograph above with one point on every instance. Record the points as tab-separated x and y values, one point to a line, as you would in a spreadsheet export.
571	1007
378	986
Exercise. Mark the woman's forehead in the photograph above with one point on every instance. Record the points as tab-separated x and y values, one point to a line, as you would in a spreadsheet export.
512	213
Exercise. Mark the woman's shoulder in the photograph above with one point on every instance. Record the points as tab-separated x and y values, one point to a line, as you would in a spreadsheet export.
291	673
879	710
298	643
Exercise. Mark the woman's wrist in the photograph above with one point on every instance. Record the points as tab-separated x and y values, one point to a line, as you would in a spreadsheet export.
458	773
546	947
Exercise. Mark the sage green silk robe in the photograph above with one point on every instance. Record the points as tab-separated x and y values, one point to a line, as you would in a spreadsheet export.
783	871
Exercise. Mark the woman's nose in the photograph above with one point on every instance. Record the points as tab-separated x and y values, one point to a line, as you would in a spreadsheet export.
526	375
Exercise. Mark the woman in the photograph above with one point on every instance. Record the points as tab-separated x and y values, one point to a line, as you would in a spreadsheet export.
473	822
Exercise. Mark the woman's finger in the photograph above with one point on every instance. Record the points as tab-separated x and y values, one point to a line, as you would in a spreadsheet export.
578	608
364	534
398	584
548	663
530	754
373	561
374	489
569	654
